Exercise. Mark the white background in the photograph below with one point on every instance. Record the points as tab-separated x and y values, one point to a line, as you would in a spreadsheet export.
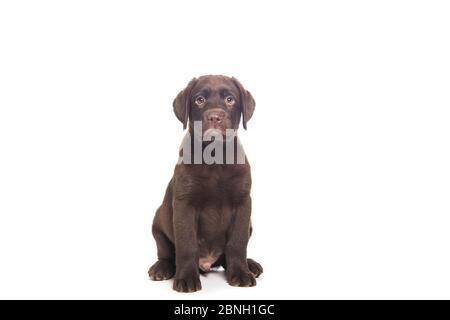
349	143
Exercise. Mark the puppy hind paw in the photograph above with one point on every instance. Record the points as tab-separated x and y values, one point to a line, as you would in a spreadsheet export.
161	270
254	267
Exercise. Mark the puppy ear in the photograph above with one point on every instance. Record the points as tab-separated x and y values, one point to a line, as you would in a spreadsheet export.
247	103
182	103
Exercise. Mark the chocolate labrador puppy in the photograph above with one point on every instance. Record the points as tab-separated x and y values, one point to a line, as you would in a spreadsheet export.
204	220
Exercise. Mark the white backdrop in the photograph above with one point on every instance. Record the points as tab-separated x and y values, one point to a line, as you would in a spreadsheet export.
349	143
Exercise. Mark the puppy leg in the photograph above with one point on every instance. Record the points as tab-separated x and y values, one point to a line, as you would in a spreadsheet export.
164	268
187	277
254	266
237	268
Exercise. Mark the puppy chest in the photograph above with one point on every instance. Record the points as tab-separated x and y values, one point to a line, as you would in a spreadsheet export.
221	192
214	221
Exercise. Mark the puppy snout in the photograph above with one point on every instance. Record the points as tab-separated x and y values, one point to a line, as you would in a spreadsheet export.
215	117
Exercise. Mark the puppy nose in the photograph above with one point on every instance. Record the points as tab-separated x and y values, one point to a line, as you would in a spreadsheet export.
214	118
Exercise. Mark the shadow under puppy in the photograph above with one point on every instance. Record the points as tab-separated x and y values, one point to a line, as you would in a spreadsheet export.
204	220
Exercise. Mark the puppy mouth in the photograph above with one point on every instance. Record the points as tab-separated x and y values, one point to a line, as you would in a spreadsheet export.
218	135
213	132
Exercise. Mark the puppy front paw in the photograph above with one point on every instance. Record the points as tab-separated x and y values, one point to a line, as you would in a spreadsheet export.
241	278
187	284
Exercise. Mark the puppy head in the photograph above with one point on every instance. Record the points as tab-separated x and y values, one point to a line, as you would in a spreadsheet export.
216	101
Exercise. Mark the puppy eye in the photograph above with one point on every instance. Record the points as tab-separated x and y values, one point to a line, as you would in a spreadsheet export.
229	100
200	100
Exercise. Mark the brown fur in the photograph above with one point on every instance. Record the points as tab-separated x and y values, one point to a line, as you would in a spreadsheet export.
205	215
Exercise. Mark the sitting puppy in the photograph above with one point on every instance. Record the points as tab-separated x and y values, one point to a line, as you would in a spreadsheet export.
204	220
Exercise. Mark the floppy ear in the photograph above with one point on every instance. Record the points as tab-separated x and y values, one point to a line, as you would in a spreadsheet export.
247	103
182	103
